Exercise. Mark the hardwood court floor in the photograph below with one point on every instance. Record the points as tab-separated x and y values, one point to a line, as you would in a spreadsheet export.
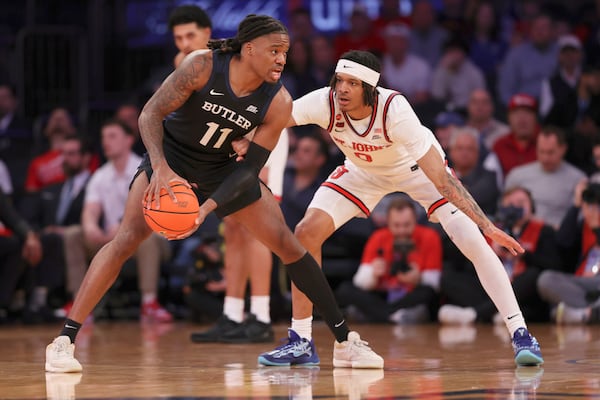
124	360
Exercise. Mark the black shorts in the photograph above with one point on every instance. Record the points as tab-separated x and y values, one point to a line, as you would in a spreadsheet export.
208	180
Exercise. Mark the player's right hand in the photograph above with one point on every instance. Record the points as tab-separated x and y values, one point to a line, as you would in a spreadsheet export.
502	238
161	177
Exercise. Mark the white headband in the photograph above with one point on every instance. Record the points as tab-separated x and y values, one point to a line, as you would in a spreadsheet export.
358	71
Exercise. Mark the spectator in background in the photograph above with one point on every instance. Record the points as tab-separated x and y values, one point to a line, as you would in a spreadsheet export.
466	300
550	179
53	211
389	13
455	76
444	124
128	113
480	116
46	169
303	177
452	17
405	72
463	152
426	36
16	138
103	208
300	25
575	294
297	77
16	252
486	47
360	35
518	147
323	61
399	274
528	64
191	28
558	99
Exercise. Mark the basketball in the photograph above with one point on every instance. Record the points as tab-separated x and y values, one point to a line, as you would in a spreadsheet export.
173	219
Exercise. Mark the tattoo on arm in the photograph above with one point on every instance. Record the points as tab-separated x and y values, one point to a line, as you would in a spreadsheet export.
456	193
171	95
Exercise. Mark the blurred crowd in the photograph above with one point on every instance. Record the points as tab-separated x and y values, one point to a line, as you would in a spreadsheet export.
512	95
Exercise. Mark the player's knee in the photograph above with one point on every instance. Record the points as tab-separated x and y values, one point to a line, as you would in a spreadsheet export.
545	281
307	234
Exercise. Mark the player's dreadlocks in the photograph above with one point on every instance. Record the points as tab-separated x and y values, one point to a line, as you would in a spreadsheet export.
250	28
368	60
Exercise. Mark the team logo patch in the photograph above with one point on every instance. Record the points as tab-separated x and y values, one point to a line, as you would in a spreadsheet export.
252	109
338	117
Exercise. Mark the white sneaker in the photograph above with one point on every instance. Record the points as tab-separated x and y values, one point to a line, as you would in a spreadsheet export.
60	356
455	315
355	353
61	386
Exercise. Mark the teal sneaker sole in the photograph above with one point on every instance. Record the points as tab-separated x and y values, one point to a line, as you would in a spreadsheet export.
527	358
263	361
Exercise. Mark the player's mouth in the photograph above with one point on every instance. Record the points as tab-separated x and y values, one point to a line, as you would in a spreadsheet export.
343	101
276	74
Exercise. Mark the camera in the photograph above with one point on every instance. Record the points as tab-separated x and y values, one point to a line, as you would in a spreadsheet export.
401	249
508	216
591	194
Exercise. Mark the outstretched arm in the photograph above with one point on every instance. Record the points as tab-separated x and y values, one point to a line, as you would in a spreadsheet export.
451	188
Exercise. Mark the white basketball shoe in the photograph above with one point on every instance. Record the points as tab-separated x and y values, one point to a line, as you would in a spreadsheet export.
355	353
60	356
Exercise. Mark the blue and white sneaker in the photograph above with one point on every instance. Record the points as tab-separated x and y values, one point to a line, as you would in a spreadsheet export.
297	351
527	348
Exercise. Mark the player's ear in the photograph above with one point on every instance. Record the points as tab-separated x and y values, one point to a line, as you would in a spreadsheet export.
249	48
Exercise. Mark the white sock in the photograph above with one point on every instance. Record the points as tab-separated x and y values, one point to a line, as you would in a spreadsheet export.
233	308
148	298
514	322
259	306
303	327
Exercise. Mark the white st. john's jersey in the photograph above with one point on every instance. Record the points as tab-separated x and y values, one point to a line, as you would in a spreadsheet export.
387	143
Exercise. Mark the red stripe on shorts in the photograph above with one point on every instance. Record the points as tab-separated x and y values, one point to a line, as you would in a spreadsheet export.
435	206
349	196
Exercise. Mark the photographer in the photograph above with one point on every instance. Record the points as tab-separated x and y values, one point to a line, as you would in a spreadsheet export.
575	294
398	277
204	289
466	300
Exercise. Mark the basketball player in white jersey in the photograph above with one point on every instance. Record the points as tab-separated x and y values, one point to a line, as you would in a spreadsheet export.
388	150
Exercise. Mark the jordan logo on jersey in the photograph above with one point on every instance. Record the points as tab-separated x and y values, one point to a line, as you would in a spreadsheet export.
226	113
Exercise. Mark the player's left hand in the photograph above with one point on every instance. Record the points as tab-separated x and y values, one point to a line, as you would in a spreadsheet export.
240	146
504	239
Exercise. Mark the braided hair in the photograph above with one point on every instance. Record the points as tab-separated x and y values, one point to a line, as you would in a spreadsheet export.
251	27
368	60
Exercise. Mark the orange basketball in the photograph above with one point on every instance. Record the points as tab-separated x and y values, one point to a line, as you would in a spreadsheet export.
173	218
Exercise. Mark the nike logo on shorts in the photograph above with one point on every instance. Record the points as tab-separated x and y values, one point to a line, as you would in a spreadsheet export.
339	324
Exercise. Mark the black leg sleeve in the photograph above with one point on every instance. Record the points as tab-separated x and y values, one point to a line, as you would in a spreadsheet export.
309	278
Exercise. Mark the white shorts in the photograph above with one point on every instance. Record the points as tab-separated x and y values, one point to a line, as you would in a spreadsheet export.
351	192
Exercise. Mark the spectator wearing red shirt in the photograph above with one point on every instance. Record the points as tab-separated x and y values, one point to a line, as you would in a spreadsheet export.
47	168
518	147
360	35
399	274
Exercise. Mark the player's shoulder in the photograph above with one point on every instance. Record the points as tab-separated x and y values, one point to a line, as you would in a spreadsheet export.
385	94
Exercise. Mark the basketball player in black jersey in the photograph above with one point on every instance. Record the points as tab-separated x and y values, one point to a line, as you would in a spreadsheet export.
187	126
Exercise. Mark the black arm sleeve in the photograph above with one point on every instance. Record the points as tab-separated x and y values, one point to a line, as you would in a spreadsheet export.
9	216
244	175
